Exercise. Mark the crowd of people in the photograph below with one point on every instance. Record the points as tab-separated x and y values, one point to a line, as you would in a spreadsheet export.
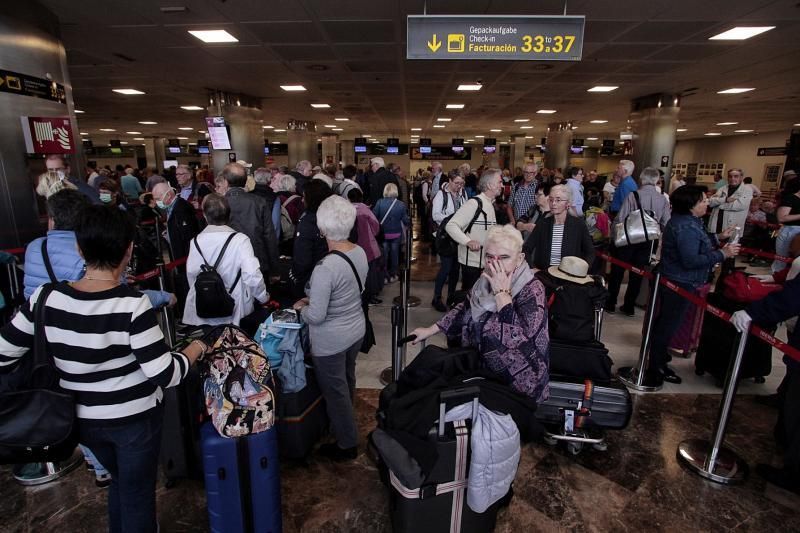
325	241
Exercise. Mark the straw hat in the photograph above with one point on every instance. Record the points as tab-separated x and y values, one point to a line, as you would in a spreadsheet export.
572	269
244	163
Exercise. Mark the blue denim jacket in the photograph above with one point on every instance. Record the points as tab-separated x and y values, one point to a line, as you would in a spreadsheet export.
398	217
688	253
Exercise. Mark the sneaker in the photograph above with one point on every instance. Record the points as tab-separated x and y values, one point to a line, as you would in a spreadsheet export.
627	311
103	480
333	452
780	477
89	466
438	304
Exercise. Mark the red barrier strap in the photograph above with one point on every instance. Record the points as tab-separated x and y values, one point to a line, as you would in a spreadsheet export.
147	222
150	274
15	251
764	224
175	264
767	255
627	266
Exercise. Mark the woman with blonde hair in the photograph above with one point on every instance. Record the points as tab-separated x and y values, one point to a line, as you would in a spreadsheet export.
393	216
51	182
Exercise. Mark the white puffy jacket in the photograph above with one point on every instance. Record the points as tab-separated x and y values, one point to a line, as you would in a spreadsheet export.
495	455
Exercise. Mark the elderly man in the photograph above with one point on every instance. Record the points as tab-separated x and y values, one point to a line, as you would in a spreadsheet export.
252	216
263	188
436	184
730	204
523	195
379	179
182	225
189	189
626	186
638	255
470	224
302	174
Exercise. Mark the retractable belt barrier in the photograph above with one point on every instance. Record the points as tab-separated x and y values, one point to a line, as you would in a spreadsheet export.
14	251
792	352
762	253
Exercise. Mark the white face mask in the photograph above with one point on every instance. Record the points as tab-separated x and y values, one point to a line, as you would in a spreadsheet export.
160	204
105	197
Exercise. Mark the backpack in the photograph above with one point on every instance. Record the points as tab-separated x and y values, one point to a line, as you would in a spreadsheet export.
571	307
597	223
212	299
287	226
445	245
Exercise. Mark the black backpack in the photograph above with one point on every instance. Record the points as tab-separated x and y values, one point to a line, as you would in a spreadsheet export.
445	245
212	299
571	307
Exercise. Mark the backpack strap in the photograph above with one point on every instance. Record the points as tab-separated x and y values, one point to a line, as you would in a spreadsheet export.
478	211
352	266
219	260
46	260
289	199
389	211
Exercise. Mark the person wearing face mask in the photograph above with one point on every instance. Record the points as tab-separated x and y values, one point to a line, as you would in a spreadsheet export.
109	194
504	317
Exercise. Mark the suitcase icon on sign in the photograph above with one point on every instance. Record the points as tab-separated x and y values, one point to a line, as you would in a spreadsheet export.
455	42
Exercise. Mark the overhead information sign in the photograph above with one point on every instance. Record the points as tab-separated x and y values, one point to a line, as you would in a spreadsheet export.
504	37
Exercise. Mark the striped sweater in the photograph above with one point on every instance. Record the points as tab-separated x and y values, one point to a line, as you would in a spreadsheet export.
107	347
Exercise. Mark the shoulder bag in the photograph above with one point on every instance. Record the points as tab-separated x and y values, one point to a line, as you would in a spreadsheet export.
380	236
38	421
638	227
369	333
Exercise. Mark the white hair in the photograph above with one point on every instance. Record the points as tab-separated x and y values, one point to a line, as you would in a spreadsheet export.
323	177
649	176
464	169
628	165
565	189
486	178
507	236
288	183
390	190
262	175
303	165
377	161
335	218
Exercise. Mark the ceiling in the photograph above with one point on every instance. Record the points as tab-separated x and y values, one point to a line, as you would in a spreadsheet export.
351	54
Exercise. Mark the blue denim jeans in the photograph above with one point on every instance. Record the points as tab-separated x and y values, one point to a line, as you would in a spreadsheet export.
130	453
448	271
391	254
99	469
782	243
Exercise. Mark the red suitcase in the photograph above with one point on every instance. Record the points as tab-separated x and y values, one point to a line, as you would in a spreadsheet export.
687	337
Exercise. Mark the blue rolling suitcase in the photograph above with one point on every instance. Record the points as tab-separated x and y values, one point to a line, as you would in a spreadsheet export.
243	483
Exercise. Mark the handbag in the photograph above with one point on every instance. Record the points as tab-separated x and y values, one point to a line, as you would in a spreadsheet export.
638	227
740	287
37	421
380	236
369	332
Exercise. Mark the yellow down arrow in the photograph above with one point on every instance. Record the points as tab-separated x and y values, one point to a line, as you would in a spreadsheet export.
435	45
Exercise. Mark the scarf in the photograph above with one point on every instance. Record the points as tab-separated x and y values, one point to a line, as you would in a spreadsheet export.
481	299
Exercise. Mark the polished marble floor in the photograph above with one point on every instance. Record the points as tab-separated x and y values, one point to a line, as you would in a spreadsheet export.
636	485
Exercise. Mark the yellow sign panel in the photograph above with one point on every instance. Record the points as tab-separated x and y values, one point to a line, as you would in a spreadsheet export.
455	42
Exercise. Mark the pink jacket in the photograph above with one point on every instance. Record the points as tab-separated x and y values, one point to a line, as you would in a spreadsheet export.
368	227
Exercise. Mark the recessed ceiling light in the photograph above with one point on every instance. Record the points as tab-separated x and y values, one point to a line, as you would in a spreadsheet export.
682	130
467	142
202	131
133	132
341	119
529	137
479	136
454	106
214	36
291	88
742	131
736	90
147	122
503	142
320	106
278	131
470	140
276	142
496	131
726	123
138	138
444	119
84	133
712	133
416	129
740	33
373	141
368	136
186	129
414	136
123	142
526	127
598	121
602	89
438	126
127	91
107	129
268	127
412	141
191	108
470	87
183	138
78	111
591	138
522	120
546	111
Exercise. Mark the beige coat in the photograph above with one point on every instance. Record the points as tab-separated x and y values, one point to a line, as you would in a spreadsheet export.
733	213
461	219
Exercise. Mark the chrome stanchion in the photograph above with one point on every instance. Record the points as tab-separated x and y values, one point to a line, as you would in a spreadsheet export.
166	311
633	376
31	474
408	301
711	460
391	373
158	239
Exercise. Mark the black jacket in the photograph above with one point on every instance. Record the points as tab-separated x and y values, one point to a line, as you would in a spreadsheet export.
251	215
265	191
182	227
309	248
577	242
377	182
299	181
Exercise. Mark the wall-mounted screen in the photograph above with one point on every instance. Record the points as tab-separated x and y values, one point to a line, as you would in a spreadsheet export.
218	133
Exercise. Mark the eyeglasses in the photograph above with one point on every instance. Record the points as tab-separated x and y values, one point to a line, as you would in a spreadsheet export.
527	173
503	257
554	200
457	182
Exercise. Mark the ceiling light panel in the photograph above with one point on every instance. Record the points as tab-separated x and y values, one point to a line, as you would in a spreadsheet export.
602	89
546	111
740	33
736	90
214	36
185	128
321	106
128	91
470	87
598	121
454	106
443	119
147	122
341	119
522	120
293	88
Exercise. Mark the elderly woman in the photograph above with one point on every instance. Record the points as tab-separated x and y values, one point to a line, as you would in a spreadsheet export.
504	317
309	243
559	234
336	321
365	232
688	255
110	354
392	214
238	267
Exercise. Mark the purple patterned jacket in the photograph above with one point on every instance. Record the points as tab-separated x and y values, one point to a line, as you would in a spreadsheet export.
513	342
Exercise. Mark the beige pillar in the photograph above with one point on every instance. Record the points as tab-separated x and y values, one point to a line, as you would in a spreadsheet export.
348	152
302	142
654	119
329	149
517	152
559	141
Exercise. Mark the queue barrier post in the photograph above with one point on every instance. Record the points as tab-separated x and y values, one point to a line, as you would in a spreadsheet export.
392	373
166	311
711	460
159	246
405	299
634	376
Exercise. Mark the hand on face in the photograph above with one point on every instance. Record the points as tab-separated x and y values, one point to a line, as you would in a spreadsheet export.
499	279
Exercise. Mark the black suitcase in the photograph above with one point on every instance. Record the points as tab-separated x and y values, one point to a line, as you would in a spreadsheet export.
585	360
440	504
184	411
600	405
302	418
717	340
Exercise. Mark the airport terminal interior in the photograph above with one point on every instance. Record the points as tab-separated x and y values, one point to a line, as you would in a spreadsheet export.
695	90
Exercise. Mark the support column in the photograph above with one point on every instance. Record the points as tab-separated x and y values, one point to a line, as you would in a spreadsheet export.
559	141
155	152
302	141
243	118
654	119
329	149
517	152
348	152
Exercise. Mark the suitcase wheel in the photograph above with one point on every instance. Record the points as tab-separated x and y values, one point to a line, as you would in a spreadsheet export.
574	448
550	440
600	446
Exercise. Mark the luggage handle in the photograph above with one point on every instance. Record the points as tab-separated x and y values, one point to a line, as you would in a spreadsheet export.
458	396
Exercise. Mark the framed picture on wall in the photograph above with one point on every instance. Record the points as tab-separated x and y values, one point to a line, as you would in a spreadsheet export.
771	173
